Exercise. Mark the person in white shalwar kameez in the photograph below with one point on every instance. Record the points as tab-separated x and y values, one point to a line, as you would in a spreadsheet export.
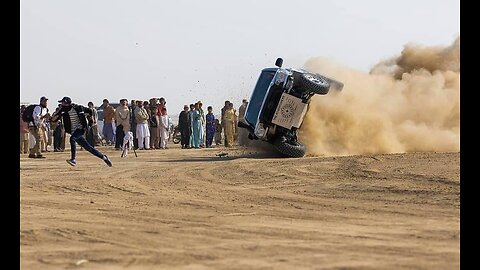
163	126
143	133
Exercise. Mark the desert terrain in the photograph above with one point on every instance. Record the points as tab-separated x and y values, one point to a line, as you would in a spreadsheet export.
190	209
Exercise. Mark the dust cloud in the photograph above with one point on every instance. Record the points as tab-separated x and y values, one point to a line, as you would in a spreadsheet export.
404	104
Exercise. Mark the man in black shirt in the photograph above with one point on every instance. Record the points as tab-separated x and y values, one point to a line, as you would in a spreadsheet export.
184	127
75	123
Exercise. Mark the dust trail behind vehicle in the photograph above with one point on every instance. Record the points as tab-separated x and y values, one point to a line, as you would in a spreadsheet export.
406	103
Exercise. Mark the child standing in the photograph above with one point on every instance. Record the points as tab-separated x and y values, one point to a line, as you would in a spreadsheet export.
210	126
218	132
163	125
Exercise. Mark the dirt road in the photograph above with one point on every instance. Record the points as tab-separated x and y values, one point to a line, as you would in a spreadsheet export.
189	209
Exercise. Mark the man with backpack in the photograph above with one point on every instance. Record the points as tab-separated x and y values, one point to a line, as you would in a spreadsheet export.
75	123
35	116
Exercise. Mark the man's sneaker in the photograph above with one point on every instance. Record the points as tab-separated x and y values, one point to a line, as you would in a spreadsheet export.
40	156
107	161
72	162
31	156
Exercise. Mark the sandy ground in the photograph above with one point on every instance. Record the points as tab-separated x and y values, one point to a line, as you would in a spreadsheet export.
189	209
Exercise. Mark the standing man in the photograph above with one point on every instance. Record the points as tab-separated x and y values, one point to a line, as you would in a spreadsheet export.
184	127
58	133
229	125
37	126
242	133
235	122
202	123
190	118
75	122
153	103
92	120
161	104
23	133
153	124
94	127
143	133
225	108
133	123
48	133
122	119
196	123
108	118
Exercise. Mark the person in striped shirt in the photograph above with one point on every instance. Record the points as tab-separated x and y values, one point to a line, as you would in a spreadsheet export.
75	122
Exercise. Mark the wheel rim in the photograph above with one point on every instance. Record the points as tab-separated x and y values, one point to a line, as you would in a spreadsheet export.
315	79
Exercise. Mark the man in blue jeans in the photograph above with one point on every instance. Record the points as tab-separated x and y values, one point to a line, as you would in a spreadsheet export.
75	123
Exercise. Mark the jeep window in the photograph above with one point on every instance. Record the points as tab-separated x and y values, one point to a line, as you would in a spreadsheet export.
258	95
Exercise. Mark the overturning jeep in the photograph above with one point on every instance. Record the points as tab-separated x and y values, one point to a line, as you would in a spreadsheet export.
278	105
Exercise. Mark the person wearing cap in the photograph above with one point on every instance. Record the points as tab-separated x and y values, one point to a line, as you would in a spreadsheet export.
37	127
75	122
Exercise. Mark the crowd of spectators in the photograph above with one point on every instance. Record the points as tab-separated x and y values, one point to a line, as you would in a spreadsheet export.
149	122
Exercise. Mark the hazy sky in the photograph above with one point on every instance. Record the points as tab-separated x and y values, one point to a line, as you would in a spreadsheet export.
208	50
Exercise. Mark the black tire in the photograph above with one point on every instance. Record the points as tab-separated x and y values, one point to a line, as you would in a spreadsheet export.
176	140
313	83
290	149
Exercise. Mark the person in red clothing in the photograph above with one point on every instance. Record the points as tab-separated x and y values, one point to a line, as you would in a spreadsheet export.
160	106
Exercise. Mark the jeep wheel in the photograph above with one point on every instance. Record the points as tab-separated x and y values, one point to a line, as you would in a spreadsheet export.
314	83
290	149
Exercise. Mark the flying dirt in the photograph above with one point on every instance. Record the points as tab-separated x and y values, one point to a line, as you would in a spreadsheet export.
408	103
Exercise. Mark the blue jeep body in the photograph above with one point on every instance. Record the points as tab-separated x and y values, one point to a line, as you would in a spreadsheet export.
278	104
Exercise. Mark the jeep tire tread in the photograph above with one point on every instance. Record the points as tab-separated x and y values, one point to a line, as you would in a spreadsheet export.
313	83
294	149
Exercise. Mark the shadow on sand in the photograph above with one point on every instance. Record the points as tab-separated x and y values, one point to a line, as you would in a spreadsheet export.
264	151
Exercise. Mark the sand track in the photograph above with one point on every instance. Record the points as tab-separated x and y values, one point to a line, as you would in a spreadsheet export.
189	209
